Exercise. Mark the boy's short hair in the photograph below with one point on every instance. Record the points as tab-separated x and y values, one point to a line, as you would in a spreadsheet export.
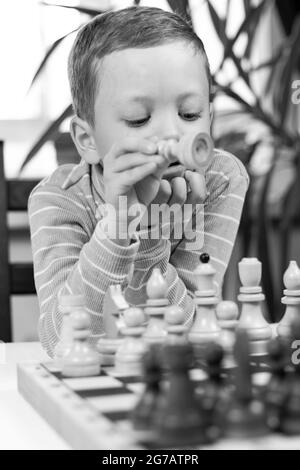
133	27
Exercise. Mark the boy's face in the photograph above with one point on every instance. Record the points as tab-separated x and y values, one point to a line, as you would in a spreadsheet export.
159	92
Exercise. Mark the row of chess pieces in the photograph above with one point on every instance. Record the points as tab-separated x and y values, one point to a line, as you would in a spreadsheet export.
175	410
158	322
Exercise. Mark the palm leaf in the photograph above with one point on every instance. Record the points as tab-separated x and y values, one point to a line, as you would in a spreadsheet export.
47	55
181	7
253	15
218	23
47	135
85	10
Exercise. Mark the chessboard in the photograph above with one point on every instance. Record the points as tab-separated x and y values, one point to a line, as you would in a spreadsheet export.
94	412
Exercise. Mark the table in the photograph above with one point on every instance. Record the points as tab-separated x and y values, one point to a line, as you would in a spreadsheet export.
21	426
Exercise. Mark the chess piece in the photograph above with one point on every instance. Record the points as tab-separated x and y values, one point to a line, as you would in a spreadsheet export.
142	415
245	416
178	420
174	318
211	393
81	360
129	355
157	291
277	390
252	320
290	414
205	328
291	299
227	315
192	150
107	345
67	304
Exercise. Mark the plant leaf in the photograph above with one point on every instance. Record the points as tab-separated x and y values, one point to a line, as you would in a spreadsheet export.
253	15
47	135
87	11
47	55
218	23
181	7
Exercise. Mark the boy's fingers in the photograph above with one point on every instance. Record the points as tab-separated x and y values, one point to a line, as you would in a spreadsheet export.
132	176
179	191
131	160
197	185
132	144
164	193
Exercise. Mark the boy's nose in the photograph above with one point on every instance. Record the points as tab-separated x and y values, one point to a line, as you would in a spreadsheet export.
168	130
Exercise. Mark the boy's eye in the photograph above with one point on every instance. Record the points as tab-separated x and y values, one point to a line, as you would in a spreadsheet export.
190	116
137	122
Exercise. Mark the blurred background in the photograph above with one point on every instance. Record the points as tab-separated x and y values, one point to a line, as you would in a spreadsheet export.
254	51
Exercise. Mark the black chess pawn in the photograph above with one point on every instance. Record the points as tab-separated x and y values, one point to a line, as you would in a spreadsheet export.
212	393
277	390
246	415
179	421
142	415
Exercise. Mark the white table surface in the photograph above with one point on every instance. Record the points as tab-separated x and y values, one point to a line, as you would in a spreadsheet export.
21	426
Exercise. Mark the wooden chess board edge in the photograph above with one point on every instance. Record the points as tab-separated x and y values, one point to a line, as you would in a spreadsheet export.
71	416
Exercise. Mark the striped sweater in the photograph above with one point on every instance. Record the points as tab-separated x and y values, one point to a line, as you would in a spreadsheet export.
71	253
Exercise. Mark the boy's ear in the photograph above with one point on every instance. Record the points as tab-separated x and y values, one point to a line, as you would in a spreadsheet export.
84	141
211	112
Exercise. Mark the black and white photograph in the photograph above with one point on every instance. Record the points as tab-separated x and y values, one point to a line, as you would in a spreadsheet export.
149	227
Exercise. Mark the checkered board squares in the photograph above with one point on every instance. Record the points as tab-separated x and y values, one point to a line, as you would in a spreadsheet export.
93	412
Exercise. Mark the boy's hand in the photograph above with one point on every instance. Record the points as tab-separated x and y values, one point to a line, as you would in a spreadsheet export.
132	169
188	190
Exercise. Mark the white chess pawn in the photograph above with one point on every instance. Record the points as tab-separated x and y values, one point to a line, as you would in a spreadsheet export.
132	349
157	291
82	360
251	298
227	315
291	299
174	318
67	304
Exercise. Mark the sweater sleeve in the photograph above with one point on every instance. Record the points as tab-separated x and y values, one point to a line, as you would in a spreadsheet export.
155	253
68	258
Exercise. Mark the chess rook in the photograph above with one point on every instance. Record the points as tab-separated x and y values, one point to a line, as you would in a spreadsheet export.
251	297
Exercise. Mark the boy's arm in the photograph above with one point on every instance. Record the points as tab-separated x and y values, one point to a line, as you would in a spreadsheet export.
69	257
156	254
215	226
217	221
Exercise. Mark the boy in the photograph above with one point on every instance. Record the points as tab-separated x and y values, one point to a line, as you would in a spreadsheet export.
138	76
